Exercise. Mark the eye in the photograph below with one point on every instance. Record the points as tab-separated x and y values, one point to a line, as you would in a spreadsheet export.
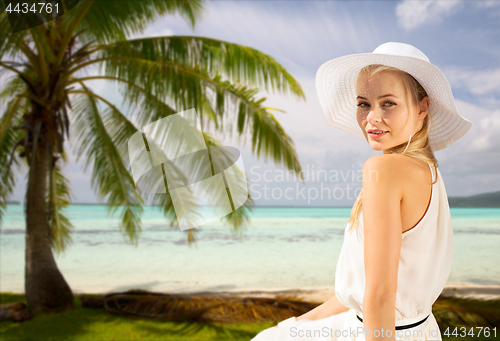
363	105
390	104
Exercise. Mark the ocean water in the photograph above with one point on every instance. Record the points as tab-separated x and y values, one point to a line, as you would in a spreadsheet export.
281	248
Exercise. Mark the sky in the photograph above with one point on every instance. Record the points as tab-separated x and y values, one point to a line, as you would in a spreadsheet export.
462	38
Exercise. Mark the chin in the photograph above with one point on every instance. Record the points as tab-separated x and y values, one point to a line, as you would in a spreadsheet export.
377	147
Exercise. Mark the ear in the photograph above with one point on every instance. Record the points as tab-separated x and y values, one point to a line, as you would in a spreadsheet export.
424	108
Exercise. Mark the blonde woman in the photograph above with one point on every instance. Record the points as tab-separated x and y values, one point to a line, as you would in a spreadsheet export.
398	244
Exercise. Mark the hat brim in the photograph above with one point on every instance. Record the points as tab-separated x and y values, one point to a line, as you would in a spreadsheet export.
336	81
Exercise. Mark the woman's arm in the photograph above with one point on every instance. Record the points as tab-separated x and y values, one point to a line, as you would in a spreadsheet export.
383	179
330	307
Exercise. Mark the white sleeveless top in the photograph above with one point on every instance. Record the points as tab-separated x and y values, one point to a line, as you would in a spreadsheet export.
424	264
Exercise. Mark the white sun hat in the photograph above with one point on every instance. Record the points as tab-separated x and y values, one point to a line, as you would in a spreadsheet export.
336	82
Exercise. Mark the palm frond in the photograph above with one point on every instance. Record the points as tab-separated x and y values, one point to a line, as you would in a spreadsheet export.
110	177
120	129
164	202
9	41
109	21
146	107
239	218
59	193
9	138
241	64
269	139
188	88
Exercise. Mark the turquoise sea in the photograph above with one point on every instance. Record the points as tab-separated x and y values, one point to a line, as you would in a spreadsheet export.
281	248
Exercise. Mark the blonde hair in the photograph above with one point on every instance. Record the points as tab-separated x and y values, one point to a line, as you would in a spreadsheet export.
418	146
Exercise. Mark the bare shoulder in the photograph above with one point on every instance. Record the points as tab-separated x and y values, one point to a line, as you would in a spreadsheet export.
385	176
391	166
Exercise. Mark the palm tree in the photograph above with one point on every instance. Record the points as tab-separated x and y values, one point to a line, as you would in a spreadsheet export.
47	72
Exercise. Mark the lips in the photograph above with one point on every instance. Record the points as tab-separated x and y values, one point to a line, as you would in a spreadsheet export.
376	133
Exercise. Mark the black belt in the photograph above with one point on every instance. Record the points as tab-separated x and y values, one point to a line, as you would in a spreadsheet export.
403	327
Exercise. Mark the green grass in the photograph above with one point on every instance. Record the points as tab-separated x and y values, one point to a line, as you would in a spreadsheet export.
87	324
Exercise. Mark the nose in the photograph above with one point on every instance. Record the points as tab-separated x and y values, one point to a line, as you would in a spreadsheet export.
374	116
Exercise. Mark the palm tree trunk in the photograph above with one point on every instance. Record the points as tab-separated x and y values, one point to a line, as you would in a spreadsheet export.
45	287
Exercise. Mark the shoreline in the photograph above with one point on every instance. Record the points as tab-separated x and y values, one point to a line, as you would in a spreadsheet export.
320	295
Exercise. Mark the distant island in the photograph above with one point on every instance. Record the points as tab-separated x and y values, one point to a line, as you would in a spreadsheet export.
491	199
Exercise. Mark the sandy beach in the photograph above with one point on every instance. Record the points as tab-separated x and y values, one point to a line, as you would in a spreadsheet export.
471	291
316	295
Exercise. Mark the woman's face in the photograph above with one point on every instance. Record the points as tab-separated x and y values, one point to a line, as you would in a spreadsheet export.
382	107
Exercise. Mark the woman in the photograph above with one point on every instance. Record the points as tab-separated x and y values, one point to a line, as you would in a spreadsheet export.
398	244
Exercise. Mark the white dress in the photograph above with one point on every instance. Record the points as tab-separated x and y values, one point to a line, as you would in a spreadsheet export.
424	266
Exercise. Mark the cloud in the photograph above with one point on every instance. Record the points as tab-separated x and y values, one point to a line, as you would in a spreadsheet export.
470	166
487	3
412	14
488	137
476	82
483	136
